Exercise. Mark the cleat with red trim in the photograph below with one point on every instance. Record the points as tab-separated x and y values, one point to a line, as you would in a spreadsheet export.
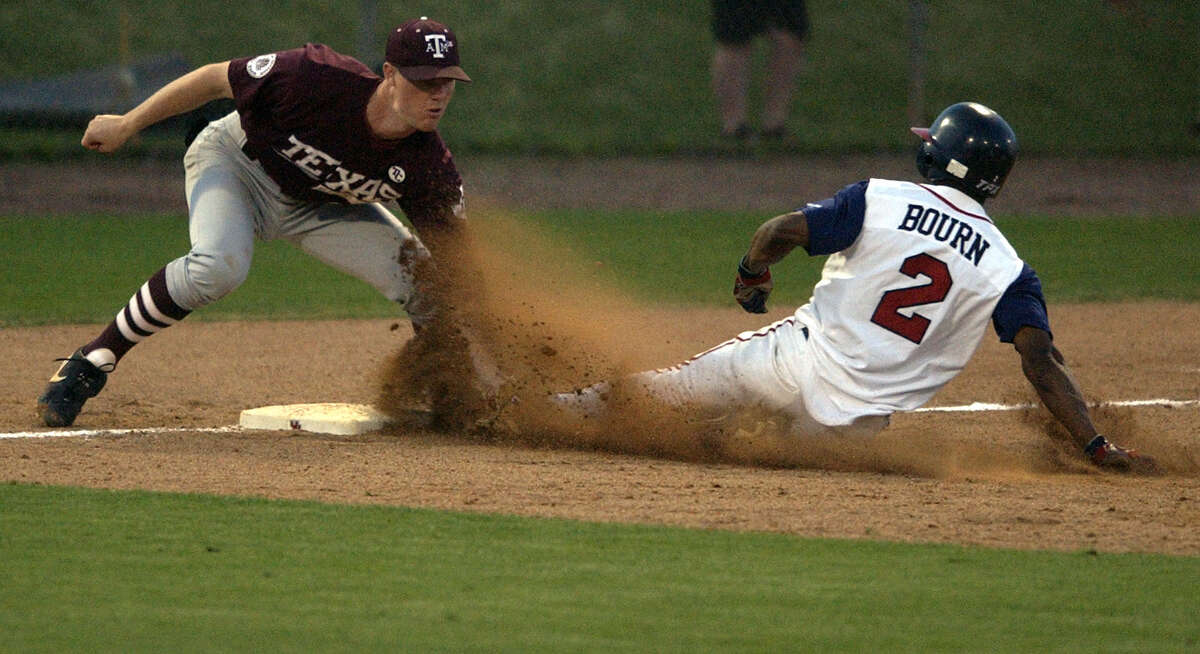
1108	455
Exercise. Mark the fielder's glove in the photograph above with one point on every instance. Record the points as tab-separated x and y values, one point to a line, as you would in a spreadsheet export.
751	289
1105	454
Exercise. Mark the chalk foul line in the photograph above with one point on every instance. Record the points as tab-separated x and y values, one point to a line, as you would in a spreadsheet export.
961	408
87	433
987	406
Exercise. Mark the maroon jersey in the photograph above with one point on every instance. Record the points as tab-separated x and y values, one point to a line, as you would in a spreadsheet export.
304	112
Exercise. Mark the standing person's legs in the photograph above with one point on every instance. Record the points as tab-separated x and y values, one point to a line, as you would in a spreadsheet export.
731	82
788	32
783	65
733	26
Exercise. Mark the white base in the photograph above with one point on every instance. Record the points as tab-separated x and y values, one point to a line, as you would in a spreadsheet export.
322	418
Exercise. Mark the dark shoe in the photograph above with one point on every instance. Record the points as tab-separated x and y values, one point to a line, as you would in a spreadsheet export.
77	380
742	133
775	134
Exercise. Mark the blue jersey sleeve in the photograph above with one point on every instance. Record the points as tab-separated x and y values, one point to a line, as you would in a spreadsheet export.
835	223
1022	305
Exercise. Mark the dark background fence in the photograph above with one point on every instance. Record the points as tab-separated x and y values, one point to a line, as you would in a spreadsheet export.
600	77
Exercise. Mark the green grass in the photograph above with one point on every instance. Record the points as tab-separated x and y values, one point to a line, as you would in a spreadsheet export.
87	570
688	256
1111	259
82	269
603	77
89	266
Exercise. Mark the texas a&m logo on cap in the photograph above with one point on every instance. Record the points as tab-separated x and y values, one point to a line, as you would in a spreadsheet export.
438	45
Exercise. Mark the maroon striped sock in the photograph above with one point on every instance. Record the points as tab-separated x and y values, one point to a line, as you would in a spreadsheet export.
148	312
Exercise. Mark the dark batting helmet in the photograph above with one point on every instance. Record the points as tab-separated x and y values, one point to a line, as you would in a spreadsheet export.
969	147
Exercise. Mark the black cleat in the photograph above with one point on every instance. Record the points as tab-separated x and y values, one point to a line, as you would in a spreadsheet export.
77	380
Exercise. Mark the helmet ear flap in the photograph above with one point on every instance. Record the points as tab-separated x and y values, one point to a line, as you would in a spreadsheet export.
926	161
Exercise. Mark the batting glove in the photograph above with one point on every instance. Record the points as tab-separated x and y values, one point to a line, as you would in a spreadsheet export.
751	289
1105	454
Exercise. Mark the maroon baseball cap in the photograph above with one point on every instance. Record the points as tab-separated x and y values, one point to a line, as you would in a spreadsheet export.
423	49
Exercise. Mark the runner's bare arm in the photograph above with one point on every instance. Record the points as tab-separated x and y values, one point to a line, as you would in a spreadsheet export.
1045	368
775	238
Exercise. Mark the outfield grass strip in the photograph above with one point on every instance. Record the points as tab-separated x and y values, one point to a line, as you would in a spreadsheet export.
89	570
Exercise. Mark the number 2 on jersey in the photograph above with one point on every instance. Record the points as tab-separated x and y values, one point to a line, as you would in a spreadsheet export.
887	313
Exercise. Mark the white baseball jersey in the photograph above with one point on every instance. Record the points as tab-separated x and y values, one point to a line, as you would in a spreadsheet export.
899	312
916	271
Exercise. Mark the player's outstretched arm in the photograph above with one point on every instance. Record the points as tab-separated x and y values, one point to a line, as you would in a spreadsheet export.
1046	369
107	132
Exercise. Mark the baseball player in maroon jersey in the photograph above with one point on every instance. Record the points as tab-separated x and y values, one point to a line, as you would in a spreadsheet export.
316	146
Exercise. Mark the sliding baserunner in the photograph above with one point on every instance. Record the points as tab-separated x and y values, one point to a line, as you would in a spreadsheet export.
915	273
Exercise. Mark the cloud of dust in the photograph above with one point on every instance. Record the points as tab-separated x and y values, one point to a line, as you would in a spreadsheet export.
1121	425
540	313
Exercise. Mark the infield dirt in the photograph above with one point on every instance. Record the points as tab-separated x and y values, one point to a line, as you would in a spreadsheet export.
992	479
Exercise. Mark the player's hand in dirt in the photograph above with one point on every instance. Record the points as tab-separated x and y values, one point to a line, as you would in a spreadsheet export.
1110	456
106	133
751	289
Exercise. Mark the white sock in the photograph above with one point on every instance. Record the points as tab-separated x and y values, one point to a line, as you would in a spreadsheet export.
103	358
